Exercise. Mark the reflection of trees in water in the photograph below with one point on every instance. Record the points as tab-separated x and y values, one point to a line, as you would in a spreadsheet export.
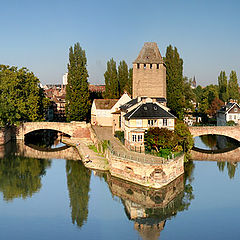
78	181
209	140
41	138
215	142
20	176
231	168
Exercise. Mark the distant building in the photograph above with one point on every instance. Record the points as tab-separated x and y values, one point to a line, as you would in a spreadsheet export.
193	83
65	79
228	112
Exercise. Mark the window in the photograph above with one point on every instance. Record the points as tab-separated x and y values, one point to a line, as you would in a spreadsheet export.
134	137
235	117
157	66
164	122
144	65
150	66
235	109
152	122
120	122
140	137
230	117
138	65
139	123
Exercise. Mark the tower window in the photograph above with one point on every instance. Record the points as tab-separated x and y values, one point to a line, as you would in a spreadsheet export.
144	65
138	65
157	66
150	66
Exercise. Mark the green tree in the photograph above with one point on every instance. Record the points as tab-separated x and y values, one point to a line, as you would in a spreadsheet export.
21	98
78	181
111	80
223	86
174	78
122	77
77	93
183	136
233	86
159	138
198	91
189	95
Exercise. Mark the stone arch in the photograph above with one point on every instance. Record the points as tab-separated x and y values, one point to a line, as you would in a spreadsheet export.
228	131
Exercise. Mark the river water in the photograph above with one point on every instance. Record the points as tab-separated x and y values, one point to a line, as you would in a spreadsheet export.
60	199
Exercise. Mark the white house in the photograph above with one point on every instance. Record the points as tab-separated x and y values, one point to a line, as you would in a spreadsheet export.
229	112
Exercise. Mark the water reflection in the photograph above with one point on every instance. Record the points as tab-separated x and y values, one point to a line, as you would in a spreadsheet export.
78	181
20	177
150	208
231	168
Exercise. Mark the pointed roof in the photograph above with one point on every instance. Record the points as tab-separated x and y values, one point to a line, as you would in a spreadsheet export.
149	54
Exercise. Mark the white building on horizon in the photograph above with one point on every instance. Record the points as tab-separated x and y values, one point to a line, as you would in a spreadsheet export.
65	76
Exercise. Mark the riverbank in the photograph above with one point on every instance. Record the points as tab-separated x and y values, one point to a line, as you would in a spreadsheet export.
91	159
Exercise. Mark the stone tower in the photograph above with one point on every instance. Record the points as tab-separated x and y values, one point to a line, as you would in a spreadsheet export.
149	73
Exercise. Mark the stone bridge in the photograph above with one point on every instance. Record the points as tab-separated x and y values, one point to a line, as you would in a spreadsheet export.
75	130
68	153
229	131
231	156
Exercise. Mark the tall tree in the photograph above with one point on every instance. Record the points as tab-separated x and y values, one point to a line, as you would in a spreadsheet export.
21	98
189	95
223	88
111	80
128	86
174	77
77	93
122	77
233	86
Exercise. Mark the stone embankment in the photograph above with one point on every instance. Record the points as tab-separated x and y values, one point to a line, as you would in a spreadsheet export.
139	168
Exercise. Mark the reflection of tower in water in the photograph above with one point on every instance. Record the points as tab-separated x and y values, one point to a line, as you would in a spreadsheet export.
149	208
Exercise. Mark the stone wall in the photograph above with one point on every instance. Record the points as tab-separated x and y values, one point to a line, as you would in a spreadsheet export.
77	130
229	131
154	175
5	135
149	82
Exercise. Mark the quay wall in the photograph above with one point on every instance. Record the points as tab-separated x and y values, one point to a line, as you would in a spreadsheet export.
5	135
155	174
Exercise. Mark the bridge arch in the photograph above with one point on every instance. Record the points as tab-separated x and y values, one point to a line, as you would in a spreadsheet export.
73	129
228	131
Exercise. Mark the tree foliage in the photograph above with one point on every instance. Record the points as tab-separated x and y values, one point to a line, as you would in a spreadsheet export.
122	77
21	98
233	86
21	176
223	86
189	96
111	80
174	78
215	106
77	93
78	181
162	138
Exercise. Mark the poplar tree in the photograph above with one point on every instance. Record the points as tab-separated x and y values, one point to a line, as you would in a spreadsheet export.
174	78
233	86
122	77
111	80
223	86
129	83
77	93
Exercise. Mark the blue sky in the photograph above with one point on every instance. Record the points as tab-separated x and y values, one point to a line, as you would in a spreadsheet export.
38	34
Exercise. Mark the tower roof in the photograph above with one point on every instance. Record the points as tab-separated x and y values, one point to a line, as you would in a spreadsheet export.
149	54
